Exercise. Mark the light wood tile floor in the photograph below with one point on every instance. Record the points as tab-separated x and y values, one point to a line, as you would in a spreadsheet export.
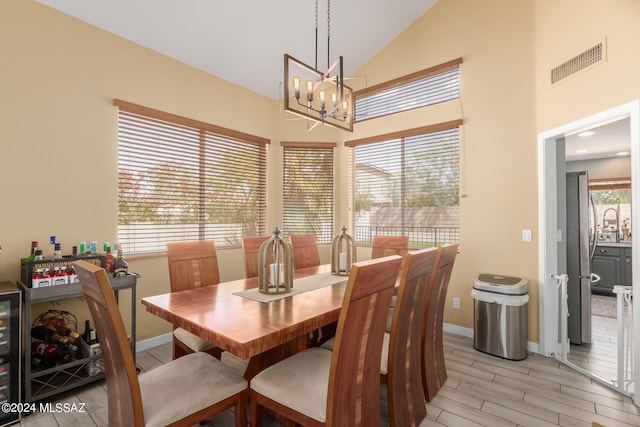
482	390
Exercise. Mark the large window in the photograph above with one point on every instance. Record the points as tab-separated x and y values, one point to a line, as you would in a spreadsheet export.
431	86
182	180
307	195
407	183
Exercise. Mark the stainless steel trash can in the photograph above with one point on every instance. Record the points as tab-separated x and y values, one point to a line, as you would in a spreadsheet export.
500	315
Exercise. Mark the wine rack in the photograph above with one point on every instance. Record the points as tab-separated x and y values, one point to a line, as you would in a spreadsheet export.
43	383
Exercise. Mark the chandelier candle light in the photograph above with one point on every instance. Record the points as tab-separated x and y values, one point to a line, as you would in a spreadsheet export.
343	253
275	277
327	99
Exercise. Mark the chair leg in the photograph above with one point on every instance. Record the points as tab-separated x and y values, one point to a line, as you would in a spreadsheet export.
241	410
256	413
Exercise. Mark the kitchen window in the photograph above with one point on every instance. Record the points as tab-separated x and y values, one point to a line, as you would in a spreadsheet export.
407	183
307	193
182	180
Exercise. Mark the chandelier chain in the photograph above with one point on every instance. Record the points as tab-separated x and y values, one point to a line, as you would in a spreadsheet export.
328	31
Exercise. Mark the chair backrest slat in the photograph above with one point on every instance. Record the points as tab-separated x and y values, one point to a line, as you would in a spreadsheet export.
354	378
124	399
192	264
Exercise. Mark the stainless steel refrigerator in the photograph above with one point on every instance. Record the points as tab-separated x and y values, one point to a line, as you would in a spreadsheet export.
581	237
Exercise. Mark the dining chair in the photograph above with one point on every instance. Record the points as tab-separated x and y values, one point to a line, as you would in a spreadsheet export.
389	245
401	362
251	253
192	265
182	392
305	250
434	371
316	387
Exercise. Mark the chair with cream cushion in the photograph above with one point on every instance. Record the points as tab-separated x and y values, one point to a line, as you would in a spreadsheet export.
389	245
305	250
191	265
434	371
182	392
401	362
317	387
251	254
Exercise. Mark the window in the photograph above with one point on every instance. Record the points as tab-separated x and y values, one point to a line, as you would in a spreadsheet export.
612	199
182	180
307	193
431	86
407	183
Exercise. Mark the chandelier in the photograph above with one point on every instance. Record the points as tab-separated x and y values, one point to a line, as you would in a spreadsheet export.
326	100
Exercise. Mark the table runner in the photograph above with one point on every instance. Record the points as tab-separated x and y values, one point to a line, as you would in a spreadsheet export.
300	285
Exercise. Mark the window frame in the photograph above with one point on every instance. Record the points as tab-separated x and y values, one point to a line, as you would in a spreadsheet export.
296	226
400	83
391	137
210	140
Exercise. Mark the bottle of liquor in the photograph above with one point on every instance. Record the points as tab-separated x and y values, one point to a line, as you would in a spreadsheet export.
49	353
109	261
38	255
57	251
34	246
42	333
121	267
86	335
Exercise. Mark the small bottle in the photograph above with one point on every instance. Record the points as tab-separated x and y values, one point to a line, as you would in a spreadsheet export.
121	267
109	261
82	248
34	246
39	256
57	251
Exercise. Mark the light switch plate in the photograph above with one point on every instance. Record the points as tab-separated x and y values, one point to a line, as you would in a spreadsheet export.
526	235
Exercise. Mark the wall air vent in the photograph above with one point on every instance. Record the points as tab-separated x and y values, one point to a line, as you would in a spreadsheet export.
578	63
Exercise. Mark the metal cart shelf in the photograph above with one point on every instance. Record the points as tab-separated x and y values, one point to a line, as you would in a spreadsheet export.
39	384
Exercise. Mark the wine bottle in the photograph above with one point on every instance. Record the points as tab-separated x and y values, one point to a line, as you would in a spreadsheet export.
109	261
34	246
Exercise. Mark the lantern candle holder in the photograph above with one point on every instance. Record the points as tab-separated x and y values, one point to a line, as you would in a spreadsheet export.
275	258
343	253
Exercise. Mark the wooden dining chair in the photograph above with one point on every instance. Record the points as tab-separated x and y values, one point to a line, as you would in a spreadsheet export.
434	371
316	387
192	265
305	250
389	245
401	363
251	253
182	392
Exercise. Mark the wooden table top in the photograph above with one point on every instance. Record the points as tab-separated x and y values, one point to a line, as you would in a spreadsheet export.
245	327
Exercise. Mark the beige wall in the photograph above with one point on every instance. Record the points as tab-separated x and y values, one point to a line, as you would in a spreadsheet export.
58	151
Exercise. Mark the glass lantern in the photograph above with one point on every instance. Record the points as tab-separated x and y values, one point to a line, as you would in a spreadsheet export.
343	253
275	277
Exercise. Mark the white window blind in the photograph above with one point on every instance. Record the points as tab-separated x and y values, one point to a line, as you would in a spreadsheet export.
307	195
408	184
183	180
431	86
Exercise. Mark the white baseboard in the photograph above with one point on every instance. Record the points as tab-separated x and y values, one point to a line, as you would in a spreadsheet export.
532	347
153	342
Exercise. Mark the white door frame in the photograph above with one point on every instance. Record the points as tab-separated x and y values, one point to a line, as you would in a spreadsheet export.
548	227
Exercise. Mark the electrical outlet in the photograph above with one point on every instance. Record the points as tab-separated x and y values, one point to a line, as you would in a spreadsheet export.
456	303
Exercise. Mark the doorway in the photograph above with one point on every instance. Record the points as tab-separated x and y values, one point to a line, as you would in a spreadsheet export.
550	172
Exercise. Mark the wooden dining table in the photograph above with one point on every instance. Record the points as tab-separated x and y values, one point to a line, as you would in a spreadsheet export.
263	332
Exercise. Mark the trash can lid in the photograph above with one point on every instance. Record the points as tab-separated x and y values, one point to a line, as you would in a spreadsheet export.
500	284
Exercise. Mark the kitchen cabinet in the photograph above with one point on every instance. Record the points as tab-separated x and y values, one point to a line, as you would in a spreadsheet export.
613	264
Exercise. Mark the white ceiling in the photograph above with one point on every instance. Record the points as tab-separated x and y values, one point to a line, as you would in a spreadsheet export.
244	41
608	140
